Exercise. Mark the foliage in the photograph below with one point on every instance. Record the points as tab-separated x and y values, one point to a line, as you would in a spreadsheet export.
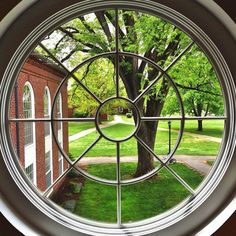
198	84
146	35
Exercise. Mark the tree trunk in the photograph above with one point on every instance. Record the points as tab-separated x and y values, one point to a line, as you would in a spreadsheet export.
145	158
200	126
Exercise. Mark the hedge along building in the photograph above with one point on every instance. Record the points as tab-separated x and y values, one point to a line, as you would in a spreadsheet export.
32	98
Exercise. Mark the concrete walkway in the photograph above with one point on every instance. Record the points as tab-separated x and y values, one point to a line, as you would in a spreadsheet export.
198	163
119	120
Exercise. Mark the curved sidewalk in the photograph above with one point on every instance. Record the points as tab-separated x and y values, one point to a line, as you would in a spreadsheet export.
198	163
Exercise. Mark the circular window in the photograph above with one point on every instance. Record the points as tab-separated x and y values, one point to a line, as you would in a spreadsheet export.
118	117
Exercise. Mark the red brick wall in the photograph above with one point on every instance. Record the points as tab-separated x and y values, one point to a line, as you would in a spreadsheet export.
39	76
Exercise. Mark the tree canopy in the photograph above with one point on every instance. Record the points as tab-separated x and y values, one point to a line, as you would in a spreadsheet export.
152	38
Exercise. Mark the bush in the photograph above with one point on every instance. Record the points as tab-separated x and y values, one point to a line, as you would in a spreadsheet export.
129	115
79	114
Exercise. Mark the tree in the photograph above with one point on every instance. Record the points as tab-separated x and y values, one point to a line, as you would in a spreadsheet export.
199	87
98	76
139	33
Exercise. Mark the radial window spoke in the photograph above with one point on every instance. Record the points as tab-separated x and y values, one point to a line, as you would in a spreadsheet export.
149	149
180	180
87	150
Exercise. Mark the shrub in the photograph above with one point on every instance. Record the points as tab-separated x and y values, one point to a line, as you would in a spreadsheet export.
129	115
79	114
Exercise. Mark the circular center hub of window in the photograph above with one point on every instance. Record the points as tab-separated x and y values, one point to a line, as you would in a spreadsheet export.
117	119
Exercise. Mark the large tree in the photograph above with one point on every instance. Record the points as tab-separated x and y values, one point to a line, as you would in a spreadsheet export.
139	33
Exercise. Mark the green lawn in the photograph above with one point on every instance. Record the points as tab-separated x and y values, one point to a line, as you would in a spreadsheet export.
119	131
76	127
212	128
138	201
189	145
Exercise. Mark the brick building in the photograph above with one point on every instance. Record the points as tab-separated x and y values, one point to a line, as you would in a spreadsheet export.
32	98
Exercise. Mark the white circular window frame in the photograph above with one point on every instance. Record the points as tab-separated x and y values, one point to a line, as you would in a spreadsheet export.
22	204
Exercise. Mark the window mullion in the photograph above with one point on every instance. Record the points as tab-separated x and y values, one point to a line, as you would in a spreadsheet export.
118	176
117	64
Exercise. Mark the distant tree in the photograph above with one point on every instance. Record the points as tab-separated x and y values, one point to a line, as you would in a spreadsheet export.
199	87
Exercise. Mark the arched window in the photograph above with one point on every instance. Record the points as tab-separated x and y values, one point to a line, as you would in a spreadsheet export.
60	133
29	132
46	109
48	138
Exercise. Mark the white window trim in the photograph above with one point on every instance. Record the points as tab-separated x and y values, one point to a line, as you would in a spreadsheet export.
30	150
48	138
60	133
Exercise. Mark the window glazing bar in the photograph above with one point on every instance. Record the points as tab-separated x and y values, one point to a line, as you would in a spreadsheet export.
163	72
48	190
87	150
117	63
54	119
118	176
149	150
180	180
70	73
184	118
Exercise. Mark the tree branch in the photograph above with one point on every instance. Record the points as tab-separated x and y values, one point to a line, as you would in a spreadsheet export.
86	25
196	89
102	21
84	76
71	35
121	33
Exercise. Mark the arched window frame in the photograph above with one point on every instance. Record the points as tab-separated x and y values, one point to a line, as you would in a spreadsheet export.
30	149
48	138
60	133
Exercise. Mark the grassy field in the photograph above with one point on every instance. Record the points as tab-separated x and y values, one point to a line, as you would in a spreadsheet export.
76	127
138	201
212	128
189	145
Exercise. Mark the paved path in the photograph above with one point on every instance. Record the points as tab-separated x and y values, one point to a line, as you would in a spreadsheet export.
196	162
119	120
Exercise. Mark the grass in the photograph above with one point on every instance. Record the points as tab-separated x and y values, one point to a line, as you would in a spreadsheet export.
76	127
189	145
212	128
118	131
138	201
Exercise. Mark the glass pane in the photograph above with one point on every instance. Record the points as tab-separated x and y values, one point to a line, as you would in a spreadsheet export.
28	133
30	172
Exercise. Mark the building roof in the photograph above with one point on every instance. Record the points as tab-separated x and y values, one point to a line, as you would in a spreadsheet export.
47	62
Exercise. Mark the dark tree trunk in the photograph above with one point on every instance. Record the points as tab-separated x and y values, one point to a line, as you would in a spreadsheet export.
147	133
200	126
145	158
